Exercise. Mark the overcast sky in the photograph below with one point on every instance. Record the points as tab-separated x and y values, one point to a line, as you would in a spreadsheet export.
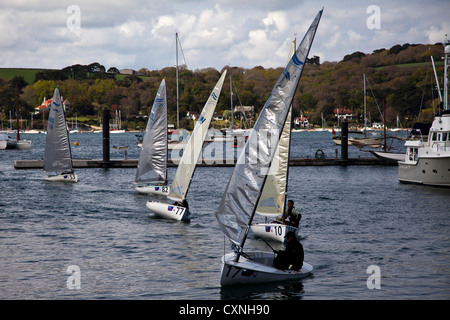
244	33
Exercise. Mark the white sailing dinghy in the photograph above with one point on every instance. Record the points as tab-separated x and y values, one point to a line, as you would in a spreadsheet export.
238	205
151	173
273	196
58	156
187	164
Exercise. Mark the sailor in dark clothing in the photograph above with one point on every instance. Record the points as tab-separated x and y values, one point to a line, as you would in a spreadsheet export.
291	216
183	203
292	257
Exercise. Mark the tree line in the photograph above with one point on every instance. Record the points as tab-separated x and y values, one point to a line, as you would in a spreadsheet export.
393	86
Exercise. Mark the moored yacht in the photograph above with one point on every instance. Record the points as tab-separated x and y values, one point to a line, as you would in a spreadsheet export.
427	161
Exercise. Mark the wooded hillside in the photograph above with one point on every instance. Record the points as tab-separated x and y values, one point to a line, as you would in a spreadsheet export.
402	75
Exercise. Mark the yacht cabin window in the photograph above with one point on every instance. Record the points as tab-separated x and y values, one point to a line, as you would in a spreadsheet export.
413	154
433	136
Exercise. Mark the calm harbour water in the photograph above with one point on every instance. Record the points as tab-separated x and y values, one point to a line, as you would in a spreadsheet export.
353	217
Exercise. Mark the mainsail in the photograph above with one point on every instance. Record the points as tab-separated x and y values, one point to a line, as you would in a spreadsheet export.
273	195
238	204
187	164
152	165
57	155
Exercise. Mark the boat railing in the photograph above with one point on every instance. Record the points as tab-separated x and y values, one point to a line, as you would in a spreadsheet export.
441	146
416	134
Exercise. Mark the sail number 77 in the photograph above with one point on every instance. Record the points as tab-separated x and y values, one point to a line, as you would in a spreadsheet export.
179	211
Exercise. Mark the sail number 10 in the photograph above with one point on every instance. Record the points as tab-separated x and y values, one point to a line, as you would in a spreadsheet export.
278	230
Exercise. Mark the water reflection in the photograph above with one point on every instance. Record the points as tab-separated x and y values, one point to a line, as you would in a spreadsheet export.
269	291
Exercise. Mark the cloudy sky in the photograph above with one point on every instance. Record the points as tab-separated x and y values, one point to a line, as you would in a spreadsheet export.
213	33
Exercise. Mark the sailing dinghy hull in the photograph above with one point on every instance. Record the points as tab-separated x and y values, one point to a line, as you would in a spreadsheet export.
257	268
68	177
156	190
168	211
272	231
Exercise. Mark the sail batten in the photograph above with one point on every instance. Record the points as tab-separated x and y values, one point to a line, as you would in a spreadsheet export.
57	157
243	192
193	149
152	165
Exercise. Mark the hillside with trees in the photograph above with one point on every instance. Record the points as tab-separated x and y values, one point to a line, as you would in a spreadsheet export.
401	76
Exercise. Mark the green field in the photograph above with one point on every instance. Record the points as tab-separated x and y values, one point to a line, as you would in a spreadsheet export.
413	65
27	74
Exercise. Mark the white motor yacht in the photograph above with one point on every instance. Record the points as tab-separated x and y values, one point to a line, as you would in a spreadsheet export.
427	160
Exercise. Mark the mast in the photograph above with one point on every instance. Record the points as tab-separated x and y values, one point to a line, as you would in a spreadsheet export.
365	117
178	99
290	136
17	112
232	111
446	58
437	80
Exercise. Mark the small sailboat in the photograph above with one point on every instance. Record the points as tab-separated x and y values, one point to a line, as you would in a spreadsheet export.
187	164
7	142
372	142
273	196
58	156
151	173
243	192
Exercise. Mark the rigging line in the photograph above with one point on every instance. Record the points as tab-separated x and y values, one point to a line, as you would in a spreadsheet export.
169	57
240	102
423	94
269	245
376	103
182	53
432	95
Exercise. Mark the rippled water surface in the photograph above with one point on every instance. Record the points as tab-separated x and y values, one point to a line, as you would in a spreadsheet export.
353	217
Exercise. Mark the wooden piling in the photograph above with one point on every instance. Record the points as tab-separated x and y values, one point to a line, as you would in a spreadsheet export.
344	142
106	154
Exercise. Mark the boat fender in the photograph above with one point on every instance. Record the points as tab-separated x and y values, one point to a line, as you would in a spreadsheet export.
319	154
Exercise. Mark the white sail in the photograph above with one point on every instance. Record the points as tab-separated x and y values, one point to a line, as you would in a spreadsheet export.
152	165
192	151
238	203
57	155
273	195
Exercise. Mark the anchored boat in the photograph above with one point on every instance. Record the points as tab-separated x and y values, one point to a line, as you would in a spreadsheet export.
427	161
